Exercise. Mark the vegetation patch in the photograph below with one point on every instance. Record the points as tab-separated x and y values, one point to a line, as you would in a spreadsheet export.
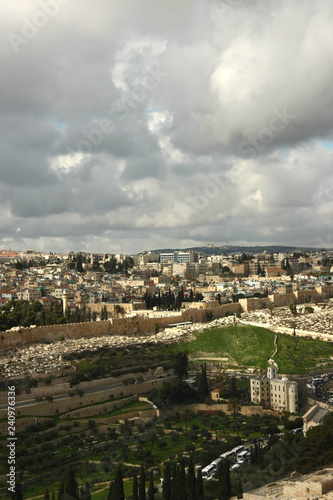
302	355
242	345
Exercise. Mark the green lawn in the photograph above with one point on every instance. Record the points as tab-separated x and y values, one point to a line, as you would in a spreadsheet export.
300	355
251	346
242	345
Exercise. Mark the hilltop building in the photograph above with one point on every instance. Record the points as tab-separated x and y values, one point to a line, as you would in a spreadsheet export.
273	392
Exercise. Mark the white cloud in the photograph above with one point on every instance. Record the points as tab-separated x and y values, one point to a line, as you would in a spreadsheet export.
230	141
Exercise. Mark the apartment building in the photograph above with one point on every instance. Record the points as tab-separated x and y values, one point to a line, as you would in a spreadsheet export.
189	256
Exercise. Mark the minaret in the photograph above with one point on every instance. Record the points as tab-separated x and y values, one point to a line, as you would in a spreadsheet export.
64	301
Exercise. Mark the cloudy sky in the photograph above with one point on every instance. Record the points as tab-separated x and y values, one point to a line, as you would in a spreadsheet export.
138	125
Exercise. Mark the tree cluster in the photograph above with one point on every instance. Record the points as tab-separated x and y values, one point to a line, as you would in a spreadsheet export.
25	313
181	485
112	266
170	300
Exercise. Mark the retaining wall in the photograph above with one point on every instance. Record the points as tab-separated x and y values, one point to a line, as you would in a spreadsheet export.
245	410
65	405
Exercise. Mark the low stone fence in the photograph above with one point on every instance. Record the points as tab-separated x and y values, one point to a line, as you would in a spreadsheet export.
245	410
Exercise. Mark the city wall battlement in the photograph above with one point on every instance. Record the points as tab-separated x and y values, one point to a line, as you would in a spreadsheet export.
114	326
139	325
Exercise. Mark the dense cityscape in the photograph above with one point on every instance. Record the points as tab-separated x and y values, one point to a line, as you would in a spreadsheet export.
178	296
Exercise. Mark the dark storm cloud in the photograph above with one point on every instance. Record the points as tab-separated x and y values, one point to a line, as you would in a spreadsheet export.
165	124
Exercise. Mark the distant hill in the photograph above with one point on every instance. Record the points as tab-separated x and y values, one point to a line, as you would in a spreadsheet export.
226	249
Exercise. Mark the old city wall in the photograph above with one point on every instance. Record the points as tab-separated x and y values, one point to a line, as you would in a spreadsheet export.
26	336
326	291
307	296
249	305
282	299
133	326
219	312
117	326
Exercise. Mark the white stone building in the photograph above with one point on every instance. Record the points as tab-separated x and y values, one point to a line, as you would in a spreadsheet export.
273	392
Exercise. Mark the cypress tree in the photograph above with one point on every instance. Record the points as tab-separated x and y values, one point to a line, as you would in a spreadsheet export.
166	486
70	486
61	491
252	456
87	494
118	485
205	389
233	388
199	488
182	480
142	484
79	266
174	482
135	495
227	477
151	495
239	488
190	481
257	453
111	490
18	495
224	480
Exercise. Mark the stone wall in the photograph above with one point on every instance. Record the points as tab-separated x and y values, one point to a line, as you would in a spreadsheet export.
282	299
20	425
307	296
136	325
27	336
326	291
65	405
101	409
253	304
245	410
117	326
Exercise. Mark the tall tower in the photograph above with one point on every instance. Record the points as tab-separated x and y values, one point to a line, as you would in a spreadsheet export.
272	369
64	301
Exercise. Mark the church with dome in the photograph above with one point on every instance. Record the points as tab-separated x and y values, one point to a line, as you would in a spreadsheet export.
274	392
